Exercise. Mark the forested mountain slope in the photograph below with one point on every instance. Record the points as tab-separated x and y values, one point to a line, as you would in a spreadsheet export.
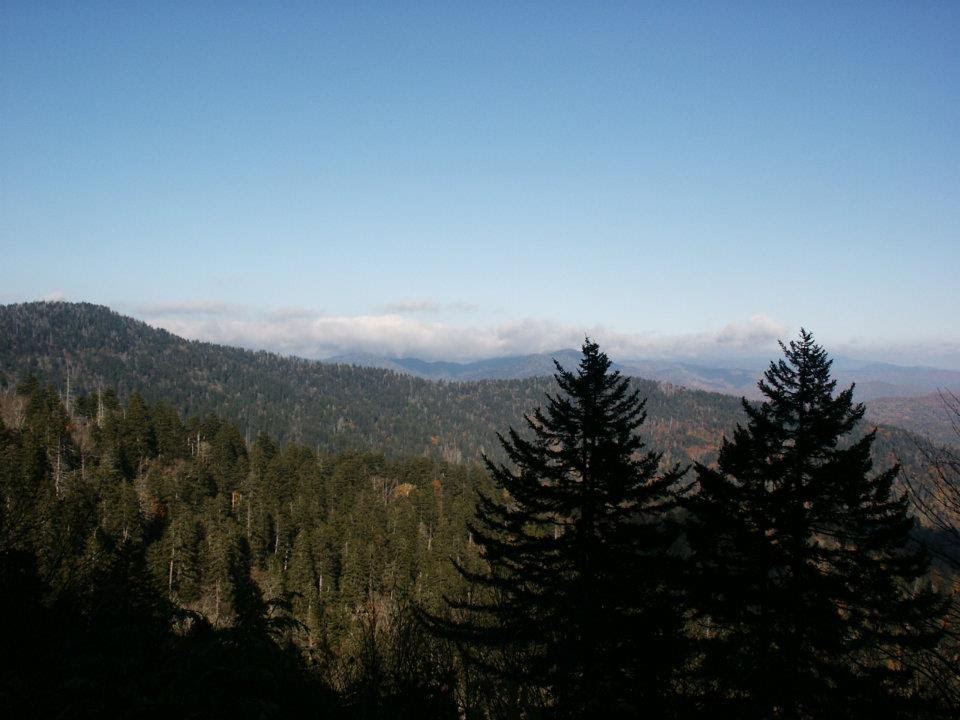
158	565
332	406
203	572
335	406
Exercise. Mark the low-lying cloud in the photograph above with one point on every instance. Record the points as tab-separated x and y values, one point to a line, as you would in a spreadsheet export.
307	333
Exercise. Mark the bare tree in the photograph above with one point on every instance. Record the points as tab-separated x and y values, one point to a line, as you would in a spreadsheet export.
936	496
936	500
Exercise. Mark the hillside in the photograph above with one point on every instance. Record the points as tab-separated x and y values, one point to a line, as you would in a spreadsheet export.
335	406
906	397
926	415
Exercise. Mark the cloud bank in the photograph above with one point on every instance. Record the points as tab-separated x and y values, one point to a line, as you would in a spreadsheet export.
403	332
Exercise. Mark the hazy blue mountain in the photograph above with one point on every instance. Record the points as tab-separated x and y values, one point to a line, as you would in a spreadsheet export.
905	396
873	379
515	367
878	379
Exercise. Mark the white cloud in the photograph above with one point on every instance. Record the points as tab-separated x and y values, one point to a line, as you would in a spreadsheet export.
758	335
55	296
307	333
758	330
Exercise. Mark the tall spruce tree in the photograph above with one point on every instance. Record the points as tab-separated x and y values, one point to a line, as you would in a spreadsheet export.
578	603
804	575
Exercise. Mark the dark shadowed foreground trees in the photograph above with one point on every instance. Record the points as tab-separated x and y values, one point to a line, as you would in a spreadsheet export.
153	566
581	606
809	594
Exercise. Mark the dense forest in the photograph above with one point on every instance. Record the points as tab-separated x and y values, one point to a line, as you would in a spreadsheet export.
153	563
161	558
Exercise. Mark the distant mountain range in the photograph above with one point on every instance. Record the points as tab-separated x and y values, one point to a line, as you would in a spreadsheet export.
502	368
873	379
894	394
925	415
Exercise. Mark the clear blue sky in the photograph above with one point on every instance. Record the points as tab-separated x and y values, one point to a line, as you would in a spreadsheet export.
661	169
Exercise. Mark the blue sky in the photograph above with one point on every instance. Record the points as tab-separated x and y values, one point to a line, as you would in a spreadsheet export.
460	181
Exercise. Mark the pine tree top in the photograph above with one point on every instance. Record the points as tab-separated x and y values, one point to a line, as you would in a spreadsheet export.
800	400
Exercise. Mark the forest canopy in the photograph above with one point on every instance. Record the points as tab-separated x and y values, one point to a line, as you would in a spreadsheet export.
162	563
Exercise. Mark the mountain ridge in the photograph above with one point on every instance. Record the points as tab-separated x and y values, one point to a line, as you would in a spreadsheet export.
874	379
337	405
894	394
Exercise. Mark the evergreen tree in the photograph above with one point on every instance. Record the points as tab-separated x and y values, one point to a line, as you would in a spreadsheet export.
138	439
578	603
803	571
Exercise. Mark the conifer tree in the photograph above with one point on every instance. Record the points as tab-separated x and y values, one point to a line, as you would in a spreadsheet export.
803	571
578	603
137	437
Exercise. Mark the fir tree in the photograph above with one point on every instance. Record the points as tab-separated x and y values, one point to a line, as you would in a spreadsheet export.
578	604
802	565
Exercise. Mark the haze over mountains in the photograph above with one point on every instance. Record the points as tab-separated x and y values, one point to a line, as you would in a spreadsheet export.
895	394
873	379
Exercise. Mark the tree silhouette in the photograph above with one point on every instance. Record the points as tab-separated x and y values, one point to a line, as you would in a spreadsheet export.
802	568
579	605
